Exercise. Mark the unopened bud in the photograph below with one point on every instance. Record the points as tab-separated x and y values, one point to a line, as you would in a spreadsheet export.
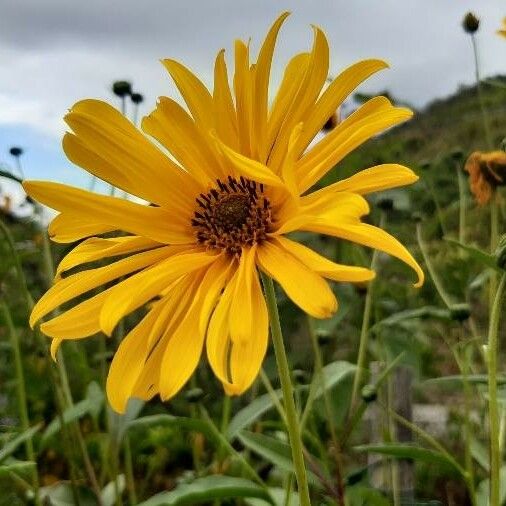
460	312
470	23
136	98
194	395
369	393
122	88
16	151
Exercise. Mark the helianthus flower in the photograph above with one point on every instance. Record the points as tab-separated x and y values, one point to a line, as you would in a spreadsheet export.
487	171
502	31
238	180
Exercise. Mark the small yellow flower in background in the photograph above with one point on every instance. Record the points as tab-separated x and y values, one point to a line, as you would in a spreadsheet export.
487	171
502	31
241	181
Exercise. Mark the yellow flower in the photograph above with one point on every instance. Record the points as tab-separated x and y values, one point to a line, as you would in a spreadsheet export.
239	184
502	31
487	171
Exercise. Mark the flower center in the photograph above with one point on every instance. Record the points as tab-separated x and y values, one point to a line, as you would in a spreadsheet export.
232	215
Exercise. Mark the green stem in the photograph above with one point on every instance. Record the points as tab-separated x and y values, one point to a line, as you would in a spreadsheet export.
428	263
21	394
493	407
318	366
364	331
494	239
462	206
484	116
287	388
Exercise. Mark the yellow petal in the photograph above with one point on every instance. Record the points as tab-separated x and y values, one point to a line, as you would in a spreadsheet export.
179	300
97	248
342	140
250	168
77	284
218	334
79	322
129	359
182	352
333	97
378	178
314	79
241	317
292	80
337	205
288	166
323	266
224	109
368	235
66	228
243	97
306	288
262	75
55	346
246	356
143	286
108	145
153	222
175	129
195	94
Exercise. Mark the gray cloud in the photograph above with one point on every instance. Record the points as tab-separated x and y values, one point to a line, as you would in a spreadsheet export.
54	52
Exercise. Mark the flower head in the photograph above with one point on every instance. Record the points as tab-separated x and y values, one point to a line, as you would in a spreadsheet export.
471	23
487	171
239	180
502	30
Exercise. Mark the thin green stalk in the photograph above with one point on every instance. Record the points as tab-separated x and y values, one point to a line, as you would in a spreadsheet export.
248	469
21	395
364	331
318	366
494	239
484	116
294	434
428	263
462	205
493	406
275	399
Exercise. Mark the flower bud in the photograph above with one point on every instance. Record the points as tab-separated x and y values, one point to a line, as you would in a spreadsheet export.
500	253
460	312
470	23
369	393
16	151
122	88
194	395
136	98
331	123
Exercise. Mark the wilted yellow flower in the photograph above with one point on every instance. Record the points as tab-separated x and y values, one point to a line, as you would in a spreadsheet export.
502	31
486	172
241	181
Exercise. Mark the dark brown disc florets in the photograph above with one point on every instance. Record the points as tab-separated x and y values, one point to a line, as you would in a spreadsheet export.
234	214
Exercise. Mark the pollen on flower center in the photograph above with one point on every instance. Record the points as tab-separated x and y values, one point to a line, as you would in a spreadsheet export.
233	214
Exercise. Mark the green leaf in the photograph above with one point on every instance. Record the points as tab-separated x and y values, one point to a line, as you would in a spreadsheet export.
479	255
10	447
360	495
480	454
474	379
333	374
87	406
108	494
16	467
278	497
118	424
60	494
483	490
275	451
207	489
405	451
410	314
246	416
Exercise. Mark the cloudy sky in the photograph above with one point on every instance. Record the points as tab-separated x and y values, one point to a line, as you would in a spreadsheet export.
55	52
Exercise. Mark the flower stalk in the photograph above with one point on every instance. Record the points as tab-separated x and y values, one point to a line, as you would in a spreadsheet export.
493	406
287	388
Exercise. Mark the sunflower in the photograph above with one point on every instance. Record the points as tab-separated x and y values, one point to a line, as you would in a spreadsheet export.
486	171
227	180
